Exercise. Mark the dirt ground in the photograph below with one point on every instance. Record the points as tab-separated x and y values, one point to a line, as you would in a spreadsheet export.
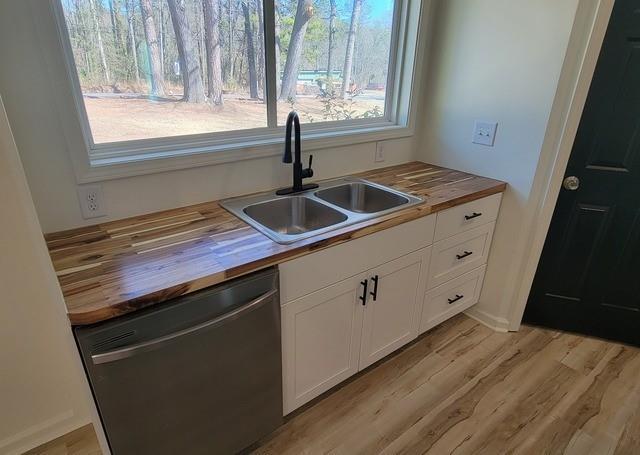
127	118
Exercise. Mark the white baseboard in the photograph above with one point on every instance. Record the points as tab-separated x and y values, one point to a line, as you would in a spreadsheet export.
493	322
42	433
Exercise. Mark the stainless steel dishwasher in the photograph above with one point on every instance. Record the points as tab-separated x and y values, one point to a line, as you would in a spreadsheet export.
198	375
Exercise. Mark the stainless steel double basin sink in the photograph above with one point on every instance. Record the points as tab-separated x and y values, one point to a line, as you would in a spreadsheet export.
333	205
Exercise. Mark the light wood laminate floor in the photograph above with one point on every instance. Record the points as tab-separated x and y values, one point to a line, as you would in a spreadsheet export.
464	389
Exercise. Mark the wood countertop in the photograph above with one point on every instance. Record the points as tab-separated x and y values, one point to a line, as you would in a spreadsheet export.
114	268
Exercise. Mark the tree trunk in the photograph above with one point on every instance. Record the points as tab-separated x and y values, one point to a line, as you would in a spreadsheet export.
117	26
351	43
230	45
103	56
83	39
153	49
251	54
132	38
189	67
261	63
214	50
332	32
198	8
278	46
304	13
162	39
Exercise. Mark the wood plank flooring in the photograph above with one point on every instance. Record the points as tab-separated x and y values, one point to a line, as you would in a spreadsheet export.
464	389
82	441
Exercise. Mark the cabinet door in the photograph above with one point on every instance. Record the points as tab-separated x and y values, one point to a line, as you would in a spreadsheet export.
390	319
320	340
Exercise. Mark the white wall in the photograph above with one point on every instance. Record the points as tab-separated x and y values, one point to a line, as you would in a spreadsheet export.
27	85
496	60
41	387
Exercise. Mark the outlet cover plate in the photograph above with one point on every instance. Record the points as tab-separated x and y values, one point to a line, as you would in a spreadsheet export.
484	133
91	201
380	149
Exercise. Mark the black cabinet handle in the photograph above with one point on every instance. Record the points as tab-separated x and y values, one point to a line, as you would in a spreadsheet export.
363	297
458	297
462	256
374	293
472	216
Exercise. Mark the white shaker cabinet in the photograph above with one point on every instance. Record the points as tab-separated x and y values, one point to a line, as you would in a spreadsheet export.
350	305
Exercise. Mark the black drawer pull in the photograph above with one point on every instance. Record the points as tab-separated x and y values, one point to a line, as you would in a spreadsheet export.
374	293
458	297
363	297
462	256
472	216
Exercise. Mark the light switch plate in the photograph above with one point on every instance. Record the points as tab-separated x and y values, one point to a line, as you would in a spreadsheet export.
484	133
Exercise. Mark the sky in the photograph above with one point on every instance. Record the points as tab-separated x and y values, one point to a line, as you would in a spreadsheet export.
381	9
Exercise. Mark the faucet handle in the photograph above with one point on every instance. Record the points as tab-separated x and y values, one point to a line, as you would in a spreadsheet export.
308	172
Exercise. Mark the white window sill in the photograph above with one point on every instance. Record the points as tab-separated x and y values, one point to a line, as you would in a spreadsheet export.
109	168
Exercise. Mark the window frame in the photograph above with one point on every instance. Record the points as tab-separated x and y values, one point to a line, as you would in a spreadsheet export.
105	161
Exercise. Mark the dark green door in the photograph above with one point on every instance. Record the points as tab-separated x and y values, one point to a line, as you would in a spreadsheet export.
588	279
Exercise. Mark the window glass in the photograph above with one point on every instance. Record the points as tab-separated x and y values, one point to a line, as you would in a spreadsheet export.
333	58
162	68
151	69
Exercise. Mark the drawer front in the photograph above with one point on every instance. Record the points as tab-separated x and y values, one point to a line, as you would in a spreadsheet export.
467	216
459	254
311	272
451	298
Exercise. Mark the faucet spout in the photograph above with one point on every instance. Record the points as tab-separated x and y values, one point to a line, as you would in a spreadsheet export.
286	158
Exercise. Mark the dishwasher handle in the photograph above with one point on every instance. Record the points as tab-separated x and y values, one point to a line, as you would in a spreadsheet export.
146	346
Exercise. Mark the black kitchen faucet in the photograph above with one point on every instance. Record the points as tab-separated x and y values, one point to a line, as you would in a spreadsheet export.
298	172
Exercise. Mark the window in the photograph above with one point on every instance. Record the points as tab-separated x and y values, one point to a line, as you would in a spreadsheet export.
149	74
342	71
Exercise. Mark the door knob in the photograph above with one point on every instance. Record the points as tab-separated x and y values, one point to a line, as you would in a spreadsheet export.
571	183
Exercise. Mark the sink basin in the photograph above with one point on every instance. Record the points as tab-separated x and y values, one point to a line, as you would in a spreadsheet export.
294	215
334	205
362	197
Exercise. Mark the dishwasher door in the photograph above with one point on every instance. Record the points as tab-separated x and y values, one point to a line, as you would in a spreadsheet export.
201	374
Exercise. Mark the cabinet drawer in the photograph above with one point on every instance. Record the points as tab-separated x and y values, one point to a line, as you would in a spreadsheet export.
315	271
459	254
467	216
451	298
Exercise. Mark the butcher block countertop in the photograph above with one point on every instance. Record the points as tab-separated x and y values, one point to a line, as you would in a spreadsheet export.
114	268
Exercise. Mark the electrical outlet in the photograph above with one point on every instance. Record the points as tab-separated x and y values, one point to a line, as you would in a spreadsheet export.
379	152
91	201
484	133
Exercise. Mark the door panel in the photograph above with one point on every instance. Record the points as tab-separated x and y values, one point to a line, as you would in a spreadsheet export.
615	148
578	246
624	285
587	278
390	318
321	341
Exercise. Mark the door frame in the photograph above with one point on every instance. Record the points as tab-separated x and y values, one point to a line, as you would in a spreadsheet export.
585	42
